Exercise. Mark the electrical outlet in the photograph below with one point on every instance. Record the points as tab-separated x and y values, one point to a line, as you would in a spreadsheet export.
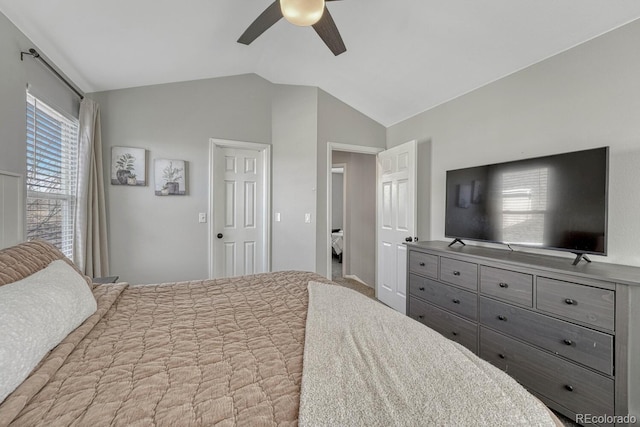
307	218
202	217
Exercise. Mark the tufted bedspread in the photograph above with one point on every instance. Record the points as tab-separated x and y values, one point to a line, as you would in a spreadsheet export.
220	352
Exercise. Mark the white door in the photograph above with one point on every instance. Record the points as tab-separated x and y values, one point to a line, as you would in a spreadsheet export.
396	221
239	218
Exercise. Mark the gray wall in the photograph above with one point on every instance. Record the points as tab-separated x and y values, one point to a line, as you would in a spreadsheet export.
153	238
360	212
586	97
337	199
294	135
338	122
15	76
159	238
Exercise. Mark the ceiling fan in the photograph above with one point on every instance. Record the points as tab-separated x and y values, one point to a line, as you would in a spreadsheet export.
302	13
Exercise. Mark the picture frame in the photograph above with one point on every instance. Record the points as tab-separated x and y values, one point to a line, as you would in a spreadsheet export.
128	166
170	177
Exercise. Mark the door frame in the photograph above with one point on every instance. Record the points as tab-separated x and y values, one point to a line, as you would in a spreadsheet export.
266	197
350	148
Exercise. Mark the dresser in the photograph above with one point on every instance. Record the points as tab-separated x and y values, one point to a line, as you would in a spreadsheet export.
569	334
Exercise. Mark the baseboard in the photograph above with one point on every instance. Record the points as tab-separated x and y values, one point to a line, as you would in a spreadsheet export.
357	279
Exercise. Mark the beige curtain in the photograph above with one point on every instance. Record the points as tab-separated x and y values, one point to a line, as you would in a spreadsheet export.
90	249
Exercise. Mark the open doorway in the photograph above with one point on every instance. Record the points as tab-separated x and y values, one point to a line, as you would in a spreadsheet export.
354	229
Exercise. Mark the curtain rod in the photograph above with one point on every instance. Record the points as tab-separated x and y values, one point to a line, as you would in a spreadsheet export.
34	54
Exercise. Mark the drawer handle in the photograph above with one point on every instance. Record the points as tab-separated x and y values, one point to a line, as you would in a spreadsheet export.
568	342
501	317
456	273
570	301
455	334
421	288
456	301
422	264
502	356
503	285
568	387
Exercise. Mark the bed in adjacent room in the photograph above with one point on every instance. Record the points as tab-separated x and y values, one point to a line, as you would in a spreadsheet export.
337	243
281	348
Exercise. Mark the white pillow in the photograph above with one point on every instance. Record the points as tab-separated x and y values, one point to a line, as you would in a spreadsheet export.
36	314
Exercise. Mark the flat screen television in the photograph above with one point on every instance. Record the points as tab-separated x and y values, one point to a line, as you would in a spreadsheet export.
554	202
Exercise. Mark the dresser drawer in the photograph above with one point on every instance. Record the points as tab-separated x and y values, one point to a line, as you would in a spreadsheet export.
507	285
583	345
424	264
454	299
578	389
585	304
460	273
448	324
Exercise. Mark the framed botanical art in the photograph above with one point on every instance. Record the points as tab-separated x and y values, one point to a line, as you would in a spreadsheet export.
128	166
170	177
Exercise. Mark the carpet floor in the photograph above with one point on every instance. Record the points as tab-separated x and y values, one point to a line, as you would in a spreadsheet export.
336	276
356	286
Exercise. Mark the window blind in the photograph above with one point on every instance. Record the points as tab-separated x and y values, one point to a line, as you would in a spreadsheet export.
52	171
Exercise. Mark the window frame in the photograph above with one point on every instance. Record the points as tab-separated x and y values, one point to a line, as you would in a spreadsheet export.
51	174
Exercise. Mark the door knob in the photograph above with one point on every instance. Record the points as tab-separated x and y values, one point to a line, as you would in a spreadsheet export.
219	236
409	239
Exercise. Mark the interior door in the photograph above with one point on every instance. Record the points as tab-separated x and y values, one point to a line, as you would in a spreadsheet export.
396	222
239	212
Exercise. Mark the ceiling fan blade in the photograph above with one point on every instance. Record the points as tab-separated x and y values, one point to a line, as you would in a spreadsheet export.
270	16
328	32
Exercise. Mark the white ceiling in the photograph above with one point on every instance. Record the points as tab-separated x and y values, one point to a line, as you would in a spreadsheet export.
403	56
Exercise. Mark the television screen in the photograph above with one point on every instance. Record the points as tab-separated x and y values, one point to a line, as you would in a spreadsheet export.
553	202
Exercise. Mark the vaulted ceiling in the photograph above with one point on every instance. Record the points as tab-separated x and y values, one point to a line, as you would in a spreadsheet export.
403	56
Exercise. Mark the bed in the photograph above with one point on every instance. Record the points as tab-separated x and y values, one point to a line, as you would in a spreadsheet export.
337	245
283	348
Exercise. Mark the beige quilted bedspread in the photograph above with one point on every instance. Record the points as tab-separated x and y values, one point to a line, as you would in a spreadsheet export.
225	352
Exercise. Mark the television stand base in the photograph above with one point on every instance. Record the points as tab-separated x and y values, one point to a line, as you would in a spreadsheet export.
579	257
456	241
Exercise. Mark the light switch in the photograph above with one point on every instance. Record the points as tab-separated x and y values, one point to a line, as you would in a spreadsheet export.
202	217
307	218
277	216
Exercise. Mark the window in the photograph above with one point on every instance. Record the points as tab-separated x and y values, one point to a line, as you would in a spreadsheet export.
52	169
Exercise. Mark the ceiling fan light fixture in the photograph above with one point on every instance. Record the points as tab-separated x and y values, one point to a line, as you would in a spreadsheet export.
302	12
